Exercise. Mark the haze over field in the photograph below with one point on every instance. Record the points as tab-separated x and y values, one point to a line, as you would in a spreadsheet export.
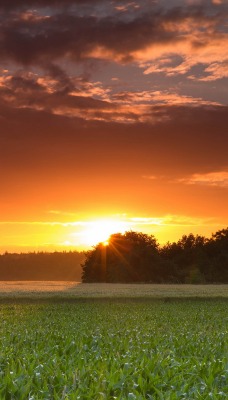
76	290
113	116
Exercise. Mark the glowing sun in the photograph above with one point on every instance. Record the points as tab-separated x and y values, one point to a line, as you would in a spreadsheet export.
99	231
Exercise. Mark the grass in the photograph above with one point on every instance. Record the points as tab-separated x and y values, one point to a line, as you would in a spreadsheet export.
64	340
153	349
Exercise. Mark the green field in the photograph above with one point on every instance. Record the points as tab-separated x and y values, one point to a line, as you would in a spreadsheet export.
152	348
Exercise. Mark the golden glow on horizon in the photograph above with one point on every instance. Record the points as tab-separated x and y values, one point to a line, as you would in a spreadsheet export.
62	235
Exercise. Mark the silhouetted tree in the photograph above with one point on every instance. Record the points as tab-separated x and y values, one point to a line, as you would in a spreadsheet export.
137	257
185	258
217	251
129	257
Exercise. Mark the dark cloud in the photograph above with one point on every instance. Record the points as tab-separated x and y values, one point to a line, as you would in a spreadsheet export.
24	90
14	4
65	84
30	39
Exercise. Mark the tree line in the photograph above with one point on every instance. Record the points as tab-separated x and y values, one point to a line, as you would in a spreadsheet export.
41	266
138	257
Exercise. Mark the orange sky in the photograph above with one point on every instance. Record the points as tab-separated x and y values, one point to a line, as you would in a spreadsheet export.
113	116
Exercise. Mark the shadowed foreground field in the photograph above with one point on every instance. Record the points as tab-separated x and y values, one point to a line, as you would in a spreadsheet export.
71	290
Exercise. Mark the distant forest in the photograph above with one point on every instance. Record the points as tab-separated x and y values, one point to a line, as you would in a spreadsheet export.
137	257
129	257
42	266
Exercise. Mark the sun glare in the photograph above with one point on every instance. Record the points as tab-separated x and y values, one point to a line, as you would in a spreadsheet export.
99	231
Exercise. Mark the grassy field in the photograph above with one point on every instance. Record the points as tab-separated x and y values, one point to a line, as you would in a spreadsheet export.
64	290
105	350
143	342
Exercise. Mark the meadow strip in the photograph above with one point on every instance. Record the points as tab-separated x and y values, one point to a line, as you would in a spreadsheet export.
64	290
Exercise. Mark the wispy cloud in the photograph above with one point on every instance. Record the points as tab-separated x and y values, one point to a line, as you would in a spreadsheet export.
147	221
150	177
219	179
170	220
216	70
183	220
45	223
128	221
76	98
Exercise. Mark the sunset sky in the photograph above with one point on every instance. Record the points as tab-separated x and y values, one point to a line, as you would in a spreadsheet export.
113	116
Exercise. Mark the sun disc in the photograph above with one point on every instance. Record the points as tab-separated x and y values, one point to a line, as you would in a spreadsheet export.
99	231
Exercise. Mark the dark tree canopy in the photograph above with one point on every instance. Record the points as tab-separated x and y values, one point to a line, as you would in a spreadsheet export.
129	257
137	257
